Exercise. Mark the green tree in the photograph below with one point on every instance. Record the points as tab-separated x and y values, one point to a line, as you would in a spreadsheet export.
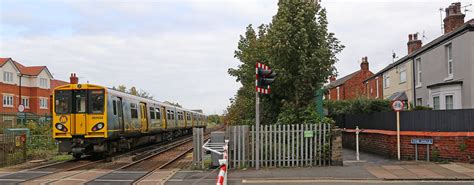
122	88
133	91
299	48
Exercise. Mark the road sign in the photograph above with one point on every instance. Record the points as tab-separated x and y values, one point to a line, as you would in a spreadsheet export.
397	105
21	108
422	141
308	134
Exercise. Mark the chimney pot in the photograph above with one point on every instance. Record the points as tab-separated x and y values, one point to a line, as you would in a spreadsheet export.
73	79
413	43
364	65
454	17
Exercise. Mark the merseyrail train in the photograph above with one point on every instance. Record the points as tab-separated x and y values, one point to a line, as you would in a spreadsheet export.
94	120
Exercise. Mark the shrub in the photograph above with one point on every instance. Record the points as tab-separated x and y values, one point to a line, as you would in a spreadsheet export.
356	106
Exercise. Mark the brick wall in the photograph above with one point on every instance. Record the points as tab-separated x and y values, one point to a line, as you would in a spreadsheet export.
34	93
352	88
451	148
371	90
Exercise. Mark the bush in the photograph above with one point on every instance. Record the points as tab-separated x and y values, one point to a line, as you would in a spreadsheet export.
356	106
422	108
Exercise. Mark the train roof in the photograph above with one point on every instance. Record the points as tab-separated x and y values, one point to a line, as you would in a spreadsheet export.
124	94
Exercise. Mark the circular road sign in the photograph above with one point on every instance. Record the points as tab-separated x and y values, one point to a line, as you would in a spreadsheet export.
21	108
397	105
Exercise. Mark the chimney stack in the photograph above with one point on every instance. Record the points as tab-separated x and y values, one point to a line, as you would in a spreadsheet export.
413	43
332	78
73	79
454	18
364	65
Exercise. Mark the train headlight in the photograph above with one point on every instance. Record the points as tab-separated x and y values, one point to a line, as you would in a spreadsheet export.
98	126
60	127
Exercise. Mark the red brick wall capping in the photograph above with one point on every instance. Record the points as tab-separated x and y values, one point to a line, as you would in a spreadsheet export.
414	133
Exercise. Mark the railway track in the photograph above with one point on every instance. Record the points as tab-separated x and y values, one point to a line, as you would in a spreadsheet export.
141	170
133	167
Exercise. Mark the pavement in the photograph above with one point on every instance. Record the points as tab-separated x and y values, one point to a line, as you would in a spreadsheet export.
371	169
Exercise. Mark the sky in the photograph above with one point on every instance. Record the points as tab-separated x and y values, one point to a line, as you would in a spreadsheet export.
180	50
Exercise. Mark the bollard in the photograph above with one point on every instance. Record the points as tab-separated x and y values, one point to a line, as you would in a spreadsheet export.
357	142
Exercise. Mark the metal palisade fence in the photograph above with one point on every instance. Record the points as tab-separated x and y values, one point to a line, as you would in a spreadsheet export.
295	145
12	149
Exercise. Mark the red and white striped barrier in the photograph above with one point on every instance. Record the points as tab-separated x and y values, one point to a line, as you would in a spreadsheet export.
222	177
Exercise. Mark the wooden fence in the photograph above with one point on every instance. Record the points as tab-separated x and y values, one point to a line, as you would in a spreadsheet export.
296	145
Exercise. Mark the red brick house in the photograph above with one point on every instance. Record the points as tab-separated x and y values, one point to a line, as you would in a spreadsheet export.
36	84
350	86
374	87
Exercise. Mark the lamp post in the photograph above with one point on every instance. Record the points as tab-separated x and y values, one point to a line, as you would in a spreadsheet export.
20	104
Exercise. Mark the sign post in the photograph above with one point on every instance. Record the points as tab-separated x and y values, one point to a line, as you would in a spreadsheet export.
397	106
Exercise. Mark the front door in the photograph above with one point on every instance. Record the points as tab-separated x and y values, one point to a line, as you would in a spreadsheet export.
78	120
143	117
120	115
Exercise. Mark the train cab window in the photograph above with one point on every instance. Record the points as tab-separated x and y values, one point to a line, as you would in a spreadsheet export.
80	101
62	102
158	113
96	101
133	110
114	105
152	113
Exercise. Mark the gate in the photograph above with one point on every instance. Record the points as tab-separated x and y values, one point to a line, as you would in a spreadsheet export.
295	145
12	148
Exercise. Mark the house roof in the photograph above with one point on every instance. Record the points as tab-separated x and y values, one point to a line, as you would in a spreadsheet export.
56	83
469	25
401	95
342	80
3	61
30	70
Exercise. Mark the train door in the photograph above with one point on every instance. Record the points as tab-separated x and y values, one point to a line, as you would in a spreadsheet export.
78	119
164	118
185	117
120	115
143	117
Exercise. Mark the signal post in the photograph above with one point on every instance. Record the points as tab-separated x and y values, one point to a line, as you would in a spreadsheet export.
264	76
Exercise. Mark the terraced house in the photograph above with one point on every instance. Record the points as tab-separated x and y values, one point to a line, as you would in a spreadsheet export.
439	74
32	84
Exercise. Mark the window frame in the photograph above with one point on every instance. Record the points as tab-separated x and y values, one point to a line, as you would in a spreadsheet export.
152	112
158	113
8	100
133	110
419	102
43	103
439	102
25	101
402	70
386	81
418	71
8	77
449	60
446	101
377	87
44	83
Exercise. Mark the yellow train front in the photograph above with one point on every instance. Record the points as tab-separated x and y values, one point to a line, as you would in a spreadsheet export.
90	119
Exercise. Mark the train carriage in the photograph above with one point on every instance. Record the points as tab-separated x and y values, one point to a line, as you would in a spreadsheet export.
91	119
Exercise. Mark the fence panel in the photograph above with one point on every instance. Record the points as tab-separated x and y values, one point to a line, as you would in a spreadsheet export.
459	120
280	145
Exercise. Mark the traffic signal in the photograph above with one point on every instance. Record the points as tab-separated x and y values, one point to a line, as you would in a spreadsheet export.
263	78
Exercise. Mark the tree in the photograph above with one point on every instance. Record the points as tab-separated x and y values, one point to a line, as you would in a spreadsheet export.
144	94
122	88
299	48
133	91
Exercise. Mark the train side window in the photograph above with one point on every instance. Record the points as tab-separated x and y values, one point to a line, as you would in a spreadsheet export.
172	115
114	104
133	110
152	113
168	114
158	113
